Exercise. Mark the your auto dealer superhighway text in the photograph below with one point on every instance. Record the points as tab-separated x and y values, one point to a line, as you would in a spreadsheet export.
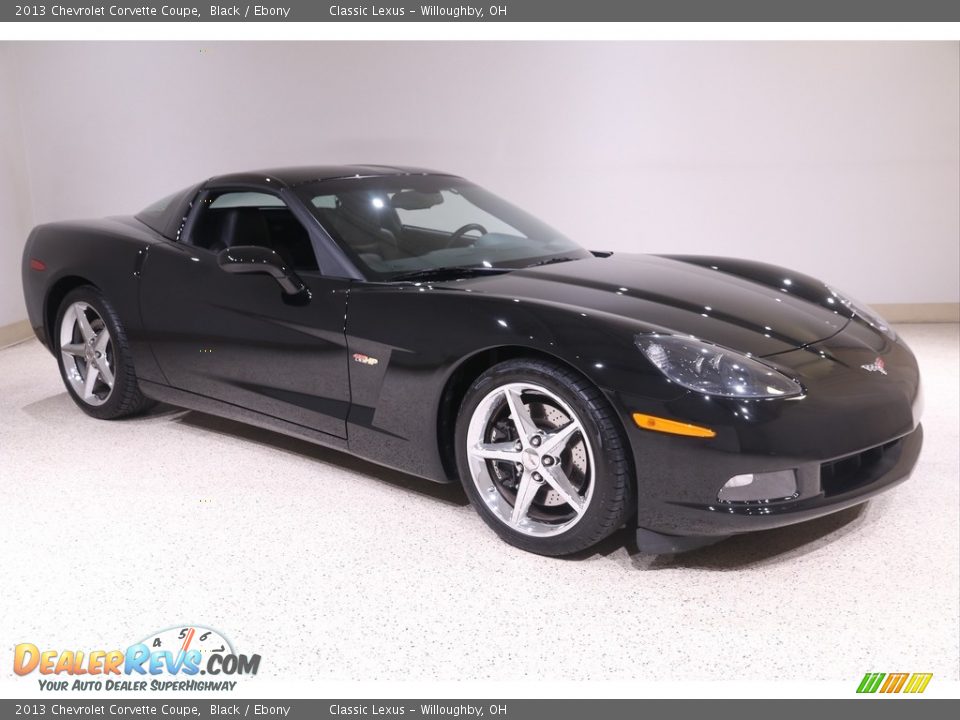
171	11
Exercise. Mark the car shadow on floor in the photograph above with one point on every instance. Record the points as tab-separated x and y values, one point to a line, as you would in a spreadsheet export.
739	552
448	493
747	550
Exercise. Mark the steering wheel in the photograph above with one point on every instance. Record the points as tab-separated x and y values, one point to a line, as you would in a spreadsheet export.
463	231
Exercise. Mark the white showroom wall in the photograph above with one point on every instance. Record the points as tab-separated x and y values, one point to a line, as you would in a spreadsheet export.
840	160
15	212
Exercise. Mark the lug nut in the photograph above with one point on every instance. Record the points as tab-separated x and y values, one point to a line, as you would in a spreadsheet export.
535	441
547	460
537	477
518	445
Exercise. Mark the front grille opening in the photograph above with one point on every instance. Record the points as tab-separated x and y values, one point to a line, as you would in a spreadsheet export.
848	473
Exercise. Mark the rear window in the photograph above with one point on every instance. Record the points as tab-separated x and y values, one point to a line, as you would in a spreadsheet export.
166	215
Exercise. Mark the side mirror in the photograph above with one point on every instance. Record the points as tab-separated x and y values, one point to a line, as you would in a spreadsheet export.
253	259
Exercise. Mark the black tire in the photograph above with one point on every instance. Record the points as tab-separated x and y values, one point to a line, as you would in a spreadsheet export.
125	398
612	502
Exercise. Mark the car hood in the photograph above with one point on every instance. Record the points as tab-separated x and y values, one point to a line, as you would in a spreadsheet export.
747	306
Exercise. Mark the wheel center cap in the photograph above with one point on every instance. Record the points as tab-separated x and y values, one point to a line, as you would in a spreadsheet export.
531	459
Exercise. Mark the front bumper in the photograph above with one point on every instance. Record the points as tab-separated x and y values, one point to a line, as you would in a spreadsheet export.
853	435
822	488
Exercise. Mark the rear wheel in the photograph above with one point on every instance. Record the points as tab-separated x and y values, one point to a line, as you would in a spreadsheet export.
94	357
542	457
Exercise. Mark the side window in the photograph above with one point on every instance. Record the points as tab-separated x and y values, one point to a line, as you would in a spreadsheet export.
233	218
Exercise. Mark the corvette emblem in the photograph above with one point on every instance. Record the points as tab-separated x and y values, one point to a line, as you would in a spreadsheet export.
365	359
876	366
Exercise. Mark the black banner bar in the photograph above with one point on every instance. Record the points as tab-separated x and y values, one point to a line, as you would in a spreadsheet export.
487	11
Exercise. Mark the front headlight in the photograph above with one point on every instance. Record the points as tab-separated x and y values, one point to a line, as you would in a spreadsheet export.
714	370
869	315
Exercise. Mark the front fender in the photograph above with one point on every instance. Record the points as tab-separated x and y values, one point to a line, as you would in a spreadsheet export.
420	336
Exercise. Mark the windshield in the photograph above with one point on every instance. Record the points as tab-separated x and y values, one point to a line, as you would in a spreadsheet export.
400	225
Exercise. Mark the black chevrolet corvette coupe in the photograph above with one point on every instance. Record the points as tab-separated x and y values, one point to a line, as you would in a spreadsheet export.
413	318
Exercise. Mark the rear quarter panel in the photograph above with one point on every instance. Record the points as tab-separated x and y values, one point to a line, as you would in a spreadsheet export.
105	253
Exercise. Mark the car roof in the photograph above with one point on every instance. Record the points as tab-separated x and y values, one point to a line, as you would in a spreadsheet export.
294	176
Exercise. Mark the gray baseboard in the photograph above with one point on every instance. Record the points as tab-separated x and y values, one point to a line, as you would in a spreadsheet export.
919	312
15	332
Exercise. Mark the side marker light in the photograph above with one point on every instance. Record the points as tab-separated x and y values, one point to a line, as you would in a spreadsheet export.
674	427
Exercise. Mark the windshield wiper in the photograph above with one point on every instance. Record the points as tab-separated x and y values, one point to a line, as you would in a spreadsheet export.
551	261
451	271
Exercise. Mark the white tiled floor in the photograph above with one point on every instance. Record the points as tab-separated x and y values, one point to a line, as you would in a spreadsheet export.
336	569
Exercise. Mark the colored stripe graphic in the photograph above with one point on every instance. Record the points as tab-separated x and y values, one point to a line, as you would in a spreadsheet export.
918	682
870	682
895	682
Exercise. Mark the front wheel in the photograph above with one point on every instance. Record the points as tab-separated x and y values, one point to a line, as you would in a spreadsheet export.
94	357
542	457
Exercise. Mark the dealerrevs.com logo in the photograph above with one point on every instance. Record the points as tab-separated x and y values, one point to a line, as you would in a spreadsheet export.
178	658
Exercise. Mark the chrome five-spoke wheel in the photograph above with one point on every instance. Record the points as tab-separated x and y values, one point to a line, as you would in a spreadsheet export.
530	459
88	354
